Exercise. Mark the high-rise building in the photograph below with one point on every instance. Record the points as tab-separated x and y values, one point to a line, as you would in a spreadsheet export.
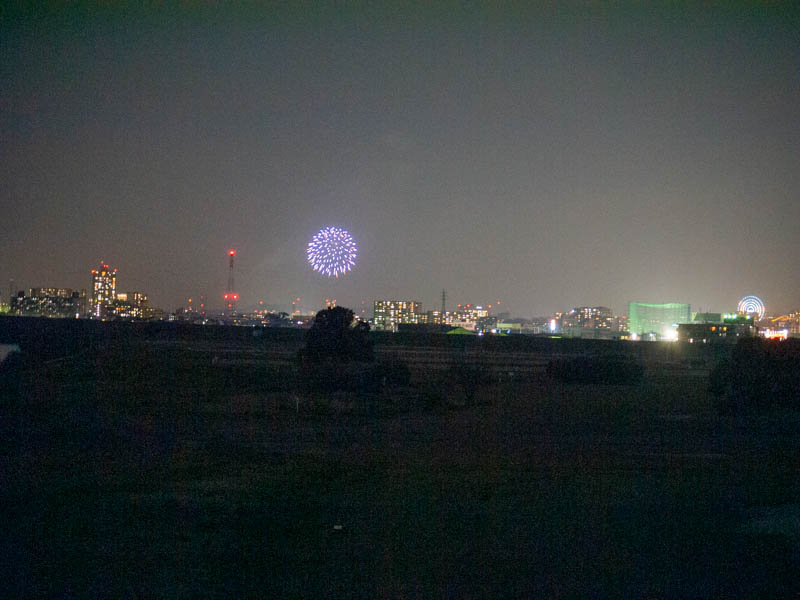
471	312
486	324
104	290
388	314
49	302
54	292
596	322
467	315
437	317
660	320
590	317
128	305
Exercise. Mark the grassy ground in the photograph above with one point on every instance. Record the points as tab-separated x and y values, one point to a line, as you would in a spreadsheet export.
179	479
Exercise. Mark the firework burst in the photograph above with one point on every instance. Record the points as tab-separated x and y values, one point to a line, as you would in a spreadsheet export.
332	252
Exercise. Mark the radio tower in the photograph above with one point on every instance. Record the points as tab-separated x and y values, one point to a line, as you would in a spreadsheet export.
230	296
444	299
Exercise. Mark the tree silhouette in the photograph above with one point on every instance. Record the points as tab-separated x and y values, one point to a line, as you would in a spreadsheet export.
337	336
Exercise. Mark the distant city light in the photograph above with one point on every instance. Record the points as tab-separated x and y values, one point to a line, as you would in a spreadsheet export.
774	334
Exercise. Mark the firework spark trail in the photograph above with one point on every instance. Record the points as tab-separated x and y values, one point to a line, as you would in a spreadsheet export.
332	251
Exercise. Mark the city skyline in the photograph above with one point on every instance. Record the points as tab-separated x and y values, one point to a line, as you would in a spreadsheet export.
746	303
553	158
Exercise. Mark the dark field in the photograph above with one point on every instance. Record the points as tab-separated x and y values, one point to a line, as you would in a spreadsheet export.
151	471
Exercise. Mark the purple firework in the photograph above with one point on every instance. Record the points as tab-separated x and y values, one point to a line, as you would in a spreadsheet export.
332	251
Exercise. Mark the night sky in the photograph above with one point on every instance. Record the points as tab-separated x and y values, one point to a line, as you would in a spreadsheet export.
547	157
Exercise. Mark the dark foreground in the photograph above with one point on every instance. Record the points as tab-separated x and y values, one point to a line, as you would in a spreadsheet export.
149	474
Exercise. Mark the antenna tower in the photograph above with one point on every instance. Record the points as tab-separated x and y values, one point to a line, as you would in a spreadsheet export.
231	296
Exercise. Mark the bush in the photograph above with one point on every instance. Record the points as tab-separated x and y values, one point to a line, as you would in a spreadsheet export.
325	376
433	394
11	376
760	376
586	369
392	374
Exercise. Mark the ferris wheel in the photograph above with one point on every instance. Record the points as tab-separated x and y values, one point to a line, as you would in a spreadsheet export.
752	305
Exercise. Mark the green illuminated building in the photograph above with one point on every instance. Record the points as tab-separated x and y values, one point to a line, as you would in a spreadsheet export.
660	319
